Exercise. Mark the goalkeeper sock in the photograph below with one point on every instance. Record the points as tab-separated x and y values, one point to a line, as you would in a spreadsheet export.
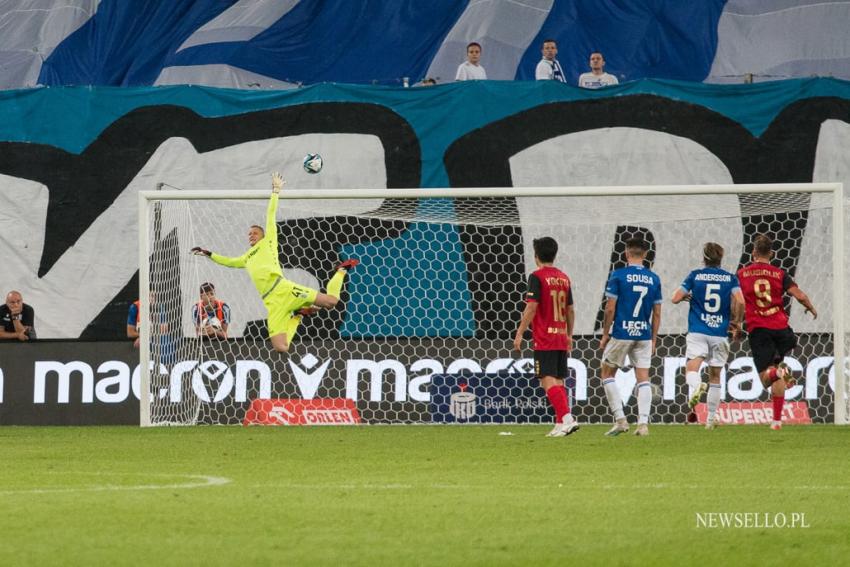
644	399
693	380
778	401
713	400
613	395
560	402
335	284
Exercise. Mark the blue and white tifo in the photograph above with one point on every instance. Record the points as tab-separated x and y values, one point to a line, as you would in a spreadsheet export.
242	43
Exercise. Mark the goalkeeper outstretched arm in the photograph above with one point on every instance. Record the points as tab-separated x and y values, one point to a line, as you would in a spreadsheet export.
230	262
271	211
255	233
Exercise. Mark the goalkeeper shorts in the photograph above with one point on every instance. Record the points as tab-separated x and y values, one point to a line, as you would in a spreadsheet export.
286	298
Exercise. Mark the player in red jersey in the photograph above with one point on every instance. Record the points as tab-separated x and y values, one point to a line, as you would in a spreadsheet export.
549	311
764	287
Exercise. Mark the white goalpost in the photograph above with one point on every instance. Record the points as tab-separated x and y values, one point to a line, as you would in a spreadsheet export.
425	334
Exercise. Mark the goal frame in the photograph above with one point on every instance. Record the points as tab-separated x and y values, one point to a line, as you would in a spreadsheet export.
147	198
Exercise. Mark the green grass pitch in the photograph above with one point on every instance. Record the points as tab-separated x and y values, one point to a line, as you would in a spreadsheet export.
427	495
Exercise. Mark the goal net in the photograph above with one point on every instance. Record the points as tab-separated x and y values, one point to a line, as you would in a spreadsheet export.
425	329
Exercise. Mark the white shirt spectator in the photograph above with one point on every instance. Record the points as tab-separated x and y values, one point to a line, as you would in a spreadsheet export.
590	81
549	71
467	71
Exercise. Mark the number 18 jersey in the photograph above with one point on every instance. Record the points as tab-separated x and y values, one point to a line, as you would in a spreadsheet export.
636	290
550	288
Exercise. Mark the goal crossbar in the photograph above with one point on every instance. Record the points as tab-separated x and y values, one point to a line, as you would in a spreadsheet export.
484	192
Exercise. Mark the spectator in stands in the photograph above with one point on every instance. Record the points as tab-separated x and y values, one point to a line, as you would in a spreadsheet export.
549	69
471	69
17	318
134	317
596	77
165	349
210	314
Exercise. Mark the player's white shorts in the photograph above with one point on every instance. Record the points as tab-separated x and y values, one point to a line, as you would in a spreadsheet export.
715	350
639	353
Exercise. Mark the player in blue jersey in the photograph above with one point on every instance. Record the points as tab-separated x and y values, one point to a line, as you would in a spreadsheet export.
717	305
632	318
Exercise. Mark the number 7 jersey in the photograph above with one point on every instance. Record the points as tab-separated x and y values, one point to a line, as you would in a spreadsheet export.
636	290
551	289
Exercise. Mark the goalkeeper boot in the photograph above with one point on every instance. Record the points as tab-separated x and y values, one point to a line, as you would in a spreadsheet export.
621	426
348	264
697	395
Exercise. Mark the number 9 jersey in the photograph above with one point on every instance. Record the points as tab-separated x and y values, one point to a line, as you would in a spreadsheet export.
551	289
764	286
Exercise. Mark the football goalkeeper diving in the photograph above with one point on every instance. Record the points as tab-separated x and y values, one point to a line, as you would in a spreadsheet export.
285	301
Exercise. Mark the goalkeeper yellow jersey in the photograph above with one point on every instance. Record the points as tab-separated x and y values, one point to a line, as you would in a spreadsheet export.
261	259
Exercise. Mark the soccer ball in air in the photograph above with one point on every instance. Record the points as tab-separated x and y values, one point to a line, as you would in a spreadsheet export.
313	163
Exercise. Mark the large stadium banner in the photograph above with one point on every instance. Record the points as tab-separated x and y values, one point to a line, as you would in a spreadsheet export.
269	44
432	381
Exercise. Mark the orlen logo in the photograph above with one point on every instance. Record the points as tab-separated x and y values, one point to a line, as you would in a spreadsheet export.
462	404
318	411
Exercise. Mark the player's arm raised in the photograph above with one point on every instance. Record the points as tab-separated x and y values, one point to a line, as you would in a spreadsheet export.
527	318
804	300
271	212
